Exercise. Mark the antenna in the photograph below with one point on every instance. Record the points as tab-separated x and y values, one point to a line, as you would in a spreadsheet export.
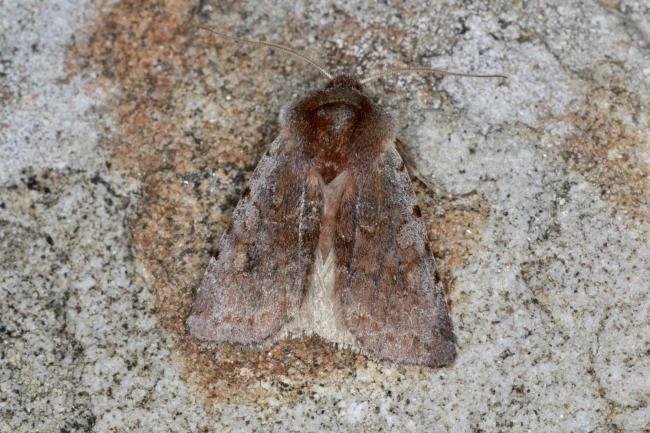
272	45
429	70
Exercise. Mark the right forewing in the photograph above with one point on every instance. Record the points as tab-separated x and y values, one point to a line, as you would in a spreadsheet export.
391	297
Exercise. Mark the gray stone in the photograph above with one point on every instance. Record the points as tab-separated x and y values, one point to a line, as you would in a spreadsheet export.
549	279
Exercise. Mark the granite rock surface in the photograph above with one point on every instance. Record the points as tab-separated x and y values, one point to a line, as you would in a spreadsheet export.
127	136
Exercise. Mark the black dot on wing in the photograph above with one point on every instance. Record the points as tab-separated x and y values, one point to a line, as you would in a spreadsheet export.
416	211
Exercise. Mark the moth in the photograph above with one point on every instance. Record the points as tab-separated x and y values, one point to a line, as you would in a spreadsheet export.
328	239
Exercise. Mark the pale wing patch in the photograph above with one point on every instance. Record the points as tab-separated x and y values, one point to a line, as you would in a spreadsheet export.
320	312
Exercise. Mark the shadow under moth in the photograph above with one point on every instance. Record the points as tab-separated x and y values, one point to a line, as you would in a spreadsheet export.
328	239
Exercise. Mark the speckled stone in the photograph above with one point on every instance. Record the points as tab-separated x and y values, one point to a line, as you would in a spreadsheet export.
127	136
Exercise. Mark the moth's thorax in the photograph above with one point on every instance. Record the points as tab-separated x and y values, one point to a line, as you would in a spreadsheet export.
338	126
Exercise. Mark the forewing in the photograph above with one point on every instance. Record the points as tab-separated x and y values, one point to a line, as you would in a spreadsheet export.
257	280
391	296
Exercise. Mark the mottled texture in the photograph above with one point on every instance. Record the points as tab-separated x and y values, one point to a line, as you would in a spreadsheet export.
391	293
141	136
264	259
332	181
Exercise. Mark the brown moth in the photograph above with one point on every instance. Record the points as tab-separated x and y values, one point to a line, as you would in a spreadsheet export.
328	239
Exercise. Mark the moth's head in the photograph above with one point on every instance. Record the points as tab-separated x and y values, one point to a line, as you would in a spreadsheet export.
337	119
344	81
341	103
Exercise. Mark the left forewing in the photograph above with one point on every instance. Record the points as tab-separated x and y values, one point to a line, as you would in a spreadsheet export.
257	281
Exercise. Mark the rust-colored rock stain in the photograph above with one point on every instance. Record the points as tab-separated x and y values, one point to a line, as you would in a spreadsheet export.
193	148
604	149
455	225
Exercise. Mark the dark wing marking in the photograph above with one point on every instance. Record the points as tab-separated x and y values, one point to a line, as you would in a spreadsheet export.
391	296
258	279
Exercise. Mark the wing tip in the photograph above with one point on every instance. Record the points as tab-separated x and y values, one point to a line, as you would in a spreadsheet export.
443	357
200	329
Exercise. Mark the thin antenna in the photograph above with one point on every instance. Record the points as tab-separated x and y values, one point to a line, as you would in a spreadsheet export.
430	70
272	45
